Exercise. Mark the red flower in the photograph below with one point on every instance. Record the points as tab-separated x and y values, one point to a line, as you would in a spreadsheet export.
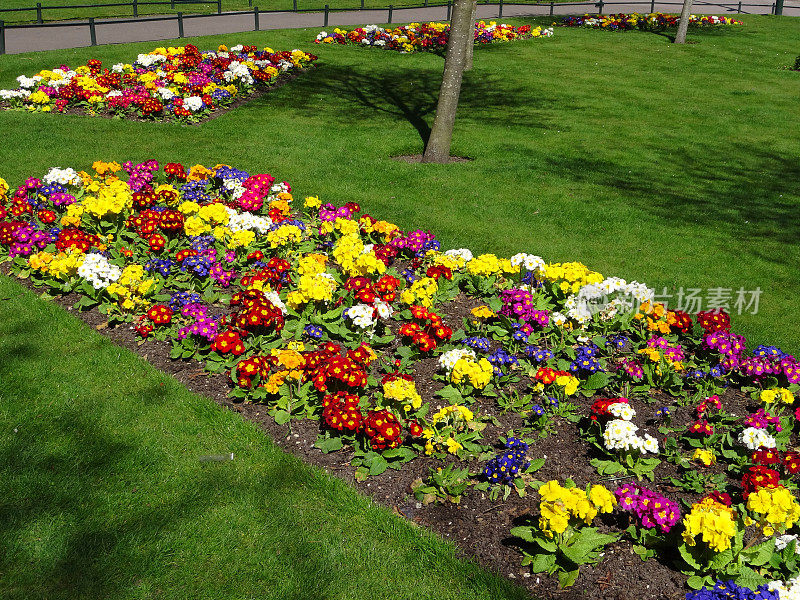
720	497
702	427
160	314
546	375
340	411
791	463
765	456
714	320
175	170
156	242
228	342
758	477
383	429
46	216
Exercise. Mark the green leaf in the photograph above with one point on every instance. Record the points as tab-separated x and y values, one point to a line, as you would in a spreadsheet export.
525	533
721	559
567	578
688	556
282	417
378	465
597	380
543	563
695	582
747	577
450	394
584	545
535	465
329	445
546	545
759	555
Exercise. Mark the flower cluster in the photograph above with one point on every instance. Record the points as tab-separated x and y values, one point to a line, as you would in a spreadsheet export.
650	508
505	467
649	22
560	505
426	37
180	83
713	521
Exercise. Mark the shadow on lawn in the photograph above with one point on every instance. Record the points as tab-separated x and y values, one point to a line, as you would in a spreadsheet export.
116	534
754	202
411	94
88	508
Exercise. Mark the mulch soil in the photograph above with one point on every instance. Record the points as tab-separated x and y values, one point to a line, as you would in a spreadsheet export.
478	526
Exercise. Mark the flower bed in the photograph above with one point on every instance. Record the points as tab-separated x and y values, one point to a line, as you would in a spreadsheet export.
168	83
427	37
648	22
402	351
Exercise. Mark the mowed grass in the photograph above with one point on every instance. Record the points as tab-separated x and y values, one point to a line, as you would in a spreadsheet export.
104	492
671	165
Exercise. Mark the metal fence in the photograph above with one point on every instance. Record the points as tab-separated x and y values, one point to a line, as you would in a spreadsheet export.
134	4
92	23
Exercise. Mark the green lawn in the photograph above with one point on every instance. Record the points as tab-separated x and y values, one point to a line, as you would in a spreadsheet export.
103	493
645	160
671	165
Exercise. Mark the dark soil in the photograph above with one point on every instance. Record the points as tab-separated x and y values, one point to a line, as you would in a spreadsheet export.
478	526
417	158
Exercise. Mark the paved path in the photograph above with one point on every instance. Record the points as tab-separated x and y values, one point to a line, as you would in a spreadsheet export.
74	35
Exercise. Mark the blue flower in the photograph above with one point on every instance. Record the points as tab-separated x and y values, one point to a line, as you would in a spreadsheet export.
313	331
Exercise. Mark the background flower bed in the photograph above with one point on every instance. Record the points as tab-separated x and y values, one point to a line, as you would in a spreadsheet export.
427	37
168	83
644	22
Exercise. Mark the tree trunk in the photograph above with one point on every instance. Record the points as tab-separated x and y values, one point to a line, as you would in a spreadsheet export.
471	38
683	25
438	148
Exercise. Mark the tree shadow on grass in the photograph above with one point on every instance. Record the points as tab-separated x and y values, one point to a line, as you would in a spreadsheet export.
754	202
112	537
411	94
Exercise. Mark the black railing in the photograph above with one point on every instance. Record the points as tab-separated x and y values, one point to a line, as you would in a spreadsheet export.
92	23
133	4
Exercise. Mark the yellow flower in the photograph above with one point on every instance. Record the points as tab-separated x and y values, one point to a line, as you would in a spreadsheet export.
453	446
483	312
703	456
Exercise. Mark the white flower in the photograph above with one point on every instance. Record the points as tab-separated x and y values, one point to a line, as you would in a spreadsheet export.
384	309
361	315
246	220
529	261
273	297
753	438
98	271
148	60
784	540
622	410
449	359
193	103
13	94
28	82
66	176
462	253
